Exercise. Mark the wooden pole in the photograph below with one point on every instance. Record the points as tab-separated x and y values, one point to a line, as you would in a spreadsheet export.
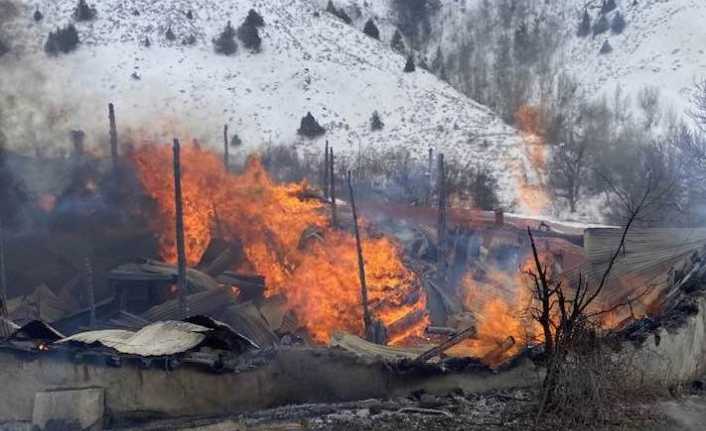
430	171
90	291
325	185
4	329
367	321
113	135
332	181
226	152
442	223
181	253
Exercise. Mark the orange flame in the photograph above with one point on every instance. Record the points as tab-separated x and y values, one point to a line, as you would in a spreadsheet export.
532	195
318	276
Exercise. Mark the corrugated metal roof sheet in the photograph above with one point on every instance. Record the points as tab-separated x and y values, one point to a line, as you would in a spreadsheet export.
157	339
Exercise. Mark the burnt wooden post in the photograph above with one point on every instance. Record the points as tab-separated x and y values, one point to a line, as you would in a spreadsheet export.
181	253
4	329
442	224
430	170
332	181
361	263
226	154
113	135
325	185
88	282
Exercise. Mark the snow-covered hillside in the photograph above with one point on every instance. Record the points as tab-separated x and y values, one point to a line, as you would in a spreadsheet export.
310	61
663	44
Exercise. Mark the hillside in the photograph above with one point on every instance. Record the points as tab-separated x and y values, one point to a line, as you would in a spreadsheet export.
662	44
310	62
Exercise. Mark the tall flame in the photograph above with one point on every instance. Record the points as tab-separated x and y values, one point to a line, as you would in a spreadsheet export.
533	196
318	277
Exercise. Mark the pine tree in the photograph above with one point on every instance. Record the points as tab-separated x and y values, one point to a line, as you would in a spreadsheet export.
147	43
608	5
618	24
606	48
84	12
344	16
310	127
250	37
63	40
225	43
330	8
371	29
4	49
170	35
235	141
438	63
254	19
601	26
397	43
375	122
38	16
190	14
585	25
189	41
409	66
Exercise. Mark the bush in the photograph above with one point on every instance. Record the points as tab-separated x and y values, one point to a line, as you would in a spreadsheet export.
606	48
409	66
310	127
585	25
601	26
190	15
375	122
254	19
191	40
225	43
170	35
84	12
371	29
38	16
618	24
147	43
250	37
63	40
397	42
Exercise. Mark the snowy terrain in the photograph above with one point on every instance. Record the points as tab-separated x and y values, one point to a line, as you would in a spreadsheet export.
663	45
309	62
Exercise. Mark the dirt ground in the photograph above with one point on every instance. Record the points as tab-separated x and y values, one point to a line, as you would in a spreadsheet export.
510	410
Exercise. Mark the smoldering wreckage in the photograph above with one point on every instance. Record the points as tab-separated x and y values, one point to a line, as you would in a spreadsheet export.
257	295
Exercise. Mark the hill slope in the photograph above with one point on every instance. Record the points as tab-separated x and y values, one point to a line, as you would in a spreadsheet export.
309	62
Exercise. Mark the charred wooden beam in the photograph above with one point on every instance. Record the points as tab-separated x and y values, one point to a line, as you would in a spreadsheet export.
446	345
226	151
442	223
361	263
181	252
332	182
229	257
496	356
113	135
325	176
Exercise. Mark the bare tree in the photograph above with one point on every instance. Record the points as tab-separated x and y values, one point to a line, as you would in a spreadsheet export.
648	99
698	99
565	312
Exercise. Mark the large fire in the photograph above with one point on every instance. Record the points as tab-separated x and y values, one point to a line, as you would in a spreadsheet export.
318	276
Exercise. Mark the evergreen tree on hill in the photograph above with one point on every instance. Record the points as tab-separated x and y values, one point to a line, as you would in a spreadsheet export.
254	19
250	37
225	43
371	29
397	43
375	122
84	12
585	25
617	26
310	127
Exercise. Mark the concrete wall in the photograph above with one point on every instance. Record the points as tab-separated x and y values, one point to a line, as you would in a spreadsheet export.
292	376
672	356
